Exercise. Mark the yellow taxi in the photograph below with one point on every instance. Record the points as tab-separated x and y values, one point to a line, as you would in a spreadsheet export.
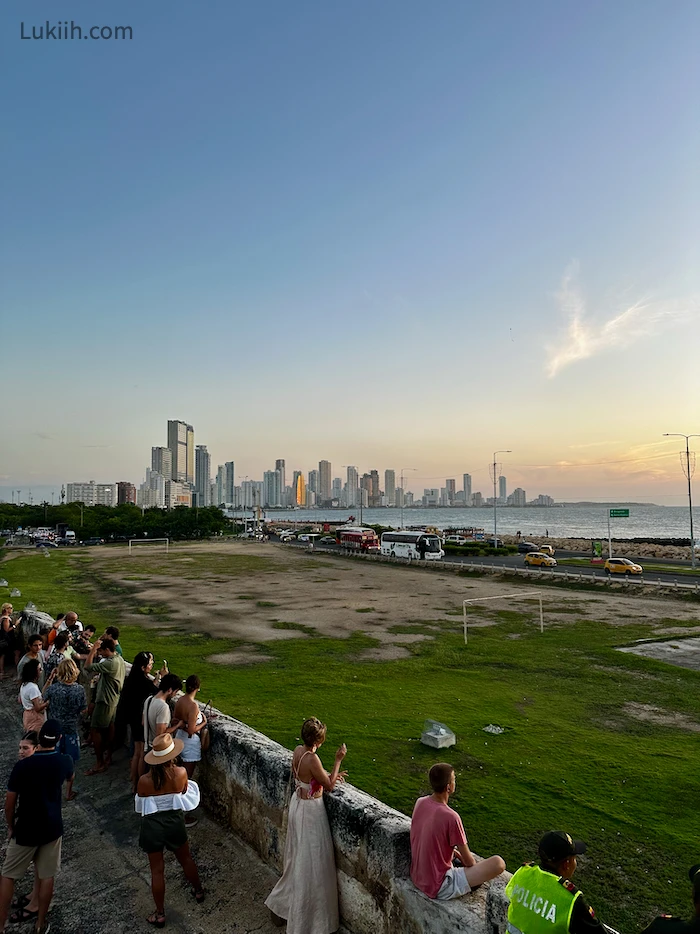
547	550
538	559
622	566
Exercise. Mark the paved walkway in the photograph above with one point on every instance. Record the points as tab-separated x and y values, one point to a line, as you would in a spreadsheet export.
104	885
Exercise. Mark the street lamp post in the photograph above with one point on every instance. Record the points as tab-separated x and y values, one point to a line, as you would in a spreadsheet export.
403	492
494	477
688	471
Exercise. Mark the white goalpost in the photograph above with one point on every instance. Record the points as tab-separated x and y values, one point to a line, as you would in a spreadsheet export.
505	596
150	541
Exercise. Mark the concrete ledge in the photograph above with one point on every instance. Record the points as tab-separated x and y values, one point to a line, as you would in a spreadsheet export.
245	780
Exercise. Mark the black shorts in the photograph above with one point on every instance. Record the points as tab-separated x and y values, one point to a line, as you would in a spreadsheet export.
163	830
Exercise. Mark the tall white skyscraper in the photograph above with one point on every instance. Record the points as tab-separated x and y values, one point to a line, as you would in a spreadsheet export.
324	481
467	485
202	475
502	489
220	496
280	464
390	487
313	481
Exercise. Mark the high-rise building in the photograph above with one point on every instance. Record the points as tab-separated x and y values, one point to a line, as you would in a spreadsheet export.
181	444
313	481
336	489
229	481
477	499
272	488
280	465
431	497
390	487
324	481
151	493
467	487
502	489
247	493
399	499
517	497
351	487
92	494
366	488
375	494
126	493
451	487
220	486
202	475
299	489
162	462
177	494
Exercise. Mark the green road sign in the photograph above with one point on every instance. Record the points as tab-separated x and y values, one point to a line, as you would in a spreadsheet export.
619	513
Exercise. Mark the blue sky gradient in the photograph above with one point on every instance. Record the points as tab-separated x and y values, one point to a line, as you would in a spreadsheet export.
341	231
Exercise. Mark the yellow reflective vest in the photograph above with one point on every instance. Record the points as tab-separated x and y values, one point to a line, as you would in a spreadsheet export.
540	902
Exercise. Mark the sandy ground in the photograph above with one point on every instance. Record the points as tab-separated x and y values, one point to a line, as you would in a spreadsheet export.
337	597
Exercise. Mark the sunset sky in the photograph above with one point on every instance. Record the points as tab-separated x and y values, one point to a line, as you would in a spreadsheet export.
383	234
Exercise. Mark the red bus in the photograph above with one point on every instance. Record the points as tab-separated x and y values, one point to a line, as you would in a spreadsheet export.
357	538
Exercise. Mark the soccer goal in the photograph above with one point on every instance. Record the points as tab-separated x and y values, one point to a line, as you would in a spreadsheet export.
150	541
504	596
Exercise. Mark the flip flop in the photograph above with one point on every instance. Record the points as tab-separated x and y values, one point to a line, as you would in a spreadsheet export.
198	895
95	771
21	901
156	920
23	914
72	796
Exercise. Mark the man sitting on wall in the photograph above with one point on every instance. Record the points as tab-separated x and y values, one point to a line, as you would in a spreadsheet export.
437	837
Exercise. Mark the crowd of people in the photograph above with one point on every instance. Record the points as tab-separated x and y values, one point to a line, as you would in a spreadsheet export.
75	691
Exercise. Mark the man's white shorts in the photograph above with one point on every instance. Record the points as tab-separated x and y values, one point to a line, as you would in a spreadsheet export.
454	884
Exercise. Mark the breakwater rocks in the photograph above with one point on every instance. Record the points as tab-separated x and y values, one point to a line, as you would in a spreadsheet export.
673	549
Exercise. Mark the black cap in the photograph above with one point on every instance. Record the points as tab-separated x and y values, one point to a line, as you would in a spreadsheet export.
50	733
557	845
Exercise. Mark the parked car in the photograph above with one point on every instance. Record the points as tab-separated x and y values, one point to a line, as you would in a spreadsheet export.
524	547
495	543
547	550
326	540
538	559
93	541
455	540
45	543
623	566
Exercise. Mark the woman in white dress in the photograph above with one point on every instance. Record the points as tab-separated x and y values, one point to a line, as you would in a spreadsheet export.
307	894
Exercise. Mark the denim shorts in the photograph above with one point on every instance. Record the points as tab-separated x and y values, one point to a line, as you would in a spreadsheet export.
70	746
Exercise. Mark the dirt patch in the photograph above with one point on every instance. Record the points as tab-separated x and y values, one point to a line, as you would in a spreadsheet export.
383	653
685	653
329	597
242	657
648	714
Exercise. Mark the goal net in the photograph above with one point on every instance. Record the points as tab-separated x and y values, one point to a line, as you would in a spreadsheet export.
528	594
162	544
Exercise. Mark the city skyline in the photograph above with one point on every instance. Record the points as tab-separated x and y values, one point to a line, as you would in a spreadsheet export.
411	244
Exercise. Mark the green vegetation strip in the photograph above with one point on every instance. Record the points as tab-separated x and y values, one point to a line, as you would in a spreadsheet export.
571	757
662	568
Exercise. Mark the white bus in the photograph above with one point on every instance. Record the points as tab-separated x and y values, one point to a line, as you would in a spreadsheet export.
412	545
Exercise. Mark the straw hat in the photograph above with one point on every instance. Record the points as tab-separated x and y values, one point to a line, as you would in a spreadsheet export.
164	749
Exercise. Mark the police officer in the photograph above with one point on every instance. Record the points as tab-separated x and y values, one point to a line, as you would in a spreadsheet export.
543	899
666	924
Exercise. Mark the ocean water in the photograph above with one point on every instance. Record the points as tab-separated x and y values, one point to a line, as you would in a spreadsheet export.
532	522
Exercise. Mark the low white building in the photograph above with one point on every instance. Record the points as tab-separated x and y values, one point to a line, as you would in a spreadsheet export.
92	494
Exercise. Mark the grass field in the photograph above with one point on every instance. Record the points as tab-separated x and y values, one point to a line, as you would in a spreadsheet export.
574	754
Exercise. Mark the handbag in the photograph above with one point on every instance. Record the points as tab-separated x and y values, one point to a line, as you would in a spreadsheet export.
204	735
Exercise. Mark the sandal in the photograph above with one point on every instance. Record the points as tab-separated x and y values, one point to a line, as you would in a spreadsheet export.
158	921
23	914
198	895
21	901
96	770
72	796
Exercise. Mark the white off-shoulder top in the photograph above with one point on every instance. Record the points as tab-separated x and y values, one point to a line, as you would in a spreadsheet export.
184	801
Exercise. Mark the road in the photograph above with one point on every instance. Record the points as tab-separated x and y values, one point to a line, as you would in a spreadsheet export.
517	561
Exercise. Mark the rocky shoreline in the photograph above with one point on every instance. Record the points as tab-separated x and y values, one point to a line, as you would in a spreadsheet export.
622	547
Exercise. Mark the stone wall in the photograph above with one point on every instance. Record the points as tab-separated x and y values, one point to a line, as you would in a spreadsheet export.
245	781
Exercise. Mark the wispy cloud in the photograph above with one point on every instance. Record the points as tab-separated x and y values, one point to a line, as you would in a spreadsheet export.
42	436
587	334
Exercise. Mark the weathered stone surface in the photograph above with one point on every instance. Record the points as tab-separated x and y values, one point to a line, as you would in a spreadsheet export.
246	780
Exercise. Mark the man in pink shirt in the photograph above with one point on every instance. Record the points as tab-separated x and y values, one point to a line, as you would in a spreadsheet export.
437	836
